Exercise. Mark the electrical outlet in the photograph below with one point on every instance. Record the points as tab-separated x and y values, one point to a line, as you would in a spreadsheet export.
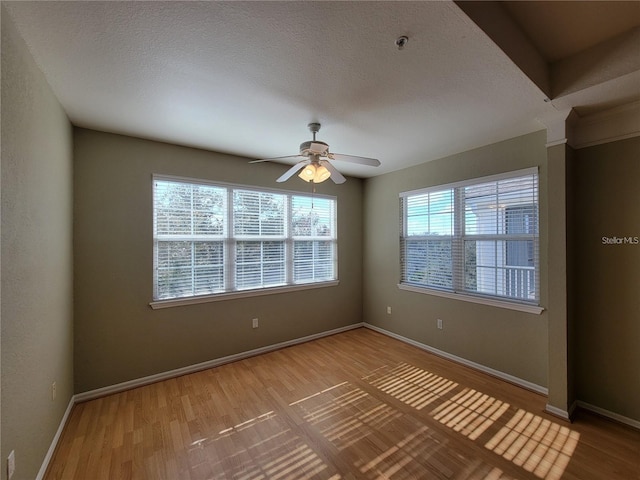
255	323
11	464
440	323
389	310
53	391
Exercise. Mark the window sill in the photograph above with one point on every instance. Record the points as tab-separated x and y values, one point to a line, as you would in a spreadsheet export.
177	302
521	307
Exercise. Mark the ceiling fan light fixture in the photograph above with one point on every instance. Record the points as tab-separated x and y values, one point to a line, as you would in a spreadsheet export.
314	173
308	173
322	173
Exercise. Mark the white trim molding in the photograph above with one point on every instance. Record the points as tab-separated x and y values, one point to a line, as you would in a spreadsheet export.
558	412
463	361
493	302
609	414
610	125
559	125
178	302
614	124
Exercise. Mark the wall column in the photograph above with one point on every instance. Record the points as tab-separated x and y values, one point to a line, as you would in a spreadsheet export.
559	155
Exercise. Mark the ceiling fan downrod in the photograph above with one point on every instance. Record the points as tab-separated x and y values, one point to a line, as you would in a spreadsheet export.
314	128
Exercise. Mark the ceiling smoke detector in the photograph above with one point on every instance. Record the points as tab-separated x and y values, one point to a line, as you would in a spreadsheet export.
401	42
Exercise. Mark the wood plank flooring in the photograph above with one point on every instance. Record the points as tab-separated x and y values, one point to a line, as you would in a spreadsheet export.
357	405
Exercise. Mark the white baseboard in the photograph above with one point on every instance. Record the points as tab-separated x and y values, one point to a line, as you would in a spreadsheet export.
476	366
558	412
564	414
56	438
608	414
139	382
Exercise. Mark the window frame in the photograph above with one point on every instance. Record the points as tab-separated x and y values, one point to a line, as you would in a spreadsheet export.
231	240
458	239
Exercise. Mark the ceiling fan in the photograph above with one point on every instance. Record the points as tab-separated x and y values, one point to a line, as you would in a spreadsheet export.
314	164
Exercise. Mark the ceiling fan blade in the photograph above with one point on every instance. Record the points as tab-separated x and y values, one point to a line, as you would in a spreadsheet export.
336	176
292	171
275	159
372	162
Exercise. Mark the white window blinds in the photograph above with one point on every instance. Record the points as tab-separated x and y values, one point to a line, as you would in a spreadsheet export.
259	233
211	239
189	233
478	237
313	239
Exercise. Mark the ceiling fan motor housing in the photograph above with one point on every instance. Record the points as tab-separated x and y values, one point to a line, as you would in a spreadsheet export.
313	147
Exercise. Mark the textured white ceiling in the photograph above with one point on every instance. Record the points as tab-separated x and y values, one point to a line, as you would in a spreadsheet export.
247	77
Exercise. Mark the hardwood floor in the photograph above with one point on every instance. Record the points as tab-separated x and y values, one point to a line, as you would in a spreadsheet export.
358	405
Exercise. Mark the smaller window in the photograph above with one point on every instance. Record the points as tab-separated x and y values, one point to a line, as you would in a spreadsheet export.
477	237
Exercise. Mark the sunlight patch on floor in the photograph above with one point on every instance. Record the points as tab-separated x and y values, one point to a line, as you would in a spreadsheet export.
470	412
247	423
345	414
533	443
411	385
263	447
375	462
537	445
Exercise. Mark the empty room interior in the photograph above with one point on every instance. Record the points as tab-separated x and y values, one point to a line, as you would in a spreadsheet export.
320	240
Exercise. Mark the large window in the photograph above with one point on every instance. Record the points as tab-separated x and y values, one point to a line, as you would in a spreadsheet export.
478	238
212	239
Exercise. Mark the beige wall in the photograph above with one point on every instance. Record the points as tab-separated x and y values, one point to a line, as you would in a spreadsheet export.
512	342
118	337
36	312
606	310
